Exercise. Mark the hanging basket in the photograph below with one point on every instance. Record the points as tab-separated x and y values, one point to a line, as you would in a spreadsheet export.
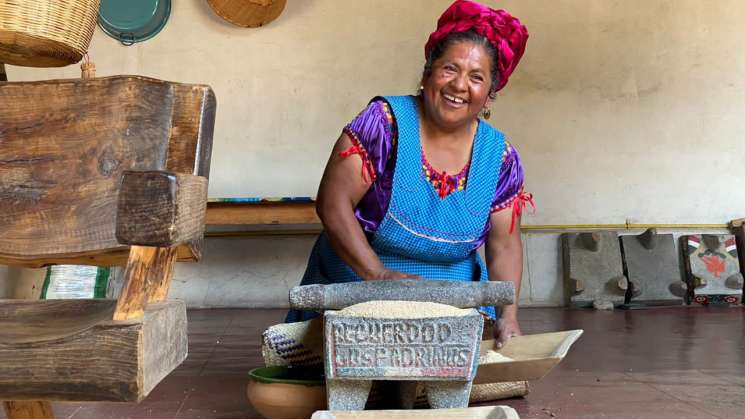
46	33
248	13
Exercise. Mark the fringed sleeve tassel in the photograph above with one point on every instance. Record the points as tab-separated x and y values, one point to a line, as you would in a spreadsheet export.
518	204
368	170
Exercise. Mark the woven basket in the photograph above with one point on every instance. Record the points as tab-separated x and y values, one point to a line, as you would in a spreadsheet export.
46	33
248	13
496	391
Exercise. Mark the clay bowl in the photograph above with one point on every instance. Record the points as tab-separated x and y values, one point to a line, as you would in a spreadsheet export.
286	392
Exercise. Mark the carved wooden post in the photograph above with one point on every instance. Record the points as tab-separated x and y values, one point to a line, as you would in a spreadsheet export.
146	280
157	211
159	283
28	410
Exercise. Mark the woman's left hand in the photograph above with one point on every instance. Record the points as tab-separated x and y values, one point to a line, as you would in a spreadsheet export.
506	328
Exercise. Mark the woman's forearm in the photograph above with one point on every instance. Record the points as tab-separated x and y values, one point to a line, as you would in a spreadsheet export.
340	190
504	256
506	264
348	239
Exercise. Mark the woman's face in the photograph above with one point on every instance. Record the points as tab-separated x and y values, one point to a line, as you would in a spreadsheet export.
457	88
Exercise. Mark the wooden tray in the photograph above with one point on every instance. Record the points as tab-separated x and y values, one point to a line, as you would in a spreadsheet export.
533	356
484	412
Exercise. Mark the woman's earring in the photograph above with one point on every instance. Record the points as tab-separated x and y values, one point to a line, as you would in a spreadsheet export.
487	113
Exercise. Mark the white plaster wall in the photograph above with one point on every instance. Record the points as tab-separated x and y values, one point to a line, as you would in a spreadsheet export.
259	271
21	283
622	110
243	272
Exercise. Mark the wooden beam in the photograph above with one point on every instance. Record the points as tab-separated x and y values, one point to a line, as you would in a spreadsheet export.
189	252
61	172
108	257
159	208
95	359
266	232
192	127
28	409
264	213
273	213
147	267
25	322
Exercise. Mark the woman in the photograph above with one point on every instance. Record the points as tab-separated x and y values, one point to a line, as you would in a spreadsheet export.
430	182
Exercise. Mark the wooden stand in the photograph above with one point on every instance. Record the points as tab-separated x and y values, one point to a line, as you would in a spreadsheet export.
77	201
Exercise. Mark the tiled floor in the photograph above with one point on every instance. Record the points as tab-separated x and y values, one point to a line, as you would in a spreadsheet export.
661	363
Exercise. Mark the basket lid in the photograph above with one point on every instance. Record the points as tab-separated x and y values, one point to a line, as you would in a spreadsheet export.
133	21
248	13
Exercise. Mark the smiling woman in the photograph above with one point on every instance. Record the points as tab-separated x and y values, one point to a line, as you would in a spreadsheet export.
431	180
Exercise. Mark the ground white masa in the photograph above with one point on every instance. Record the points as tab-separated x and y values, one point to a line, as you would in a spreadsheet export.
492	357
403	310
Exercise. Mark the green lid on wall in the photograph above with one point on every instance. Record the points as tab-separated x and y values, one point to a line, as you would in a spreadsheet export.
133	21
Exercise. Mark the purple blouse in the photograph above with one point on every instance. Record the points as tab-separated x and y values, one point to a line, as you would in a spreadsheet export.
373	134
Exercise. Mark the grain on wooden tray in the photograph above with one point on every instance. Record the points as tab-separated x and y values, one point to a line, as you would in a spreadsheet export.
492	357
402	310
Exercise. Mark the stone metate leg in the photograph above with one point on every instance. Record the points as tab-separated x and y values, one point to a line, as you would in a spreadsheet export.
448	394
348	394
406	394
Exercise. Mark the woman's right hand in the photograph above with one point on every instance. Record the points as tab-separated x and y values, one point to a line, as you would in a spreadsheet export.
387	274
341	189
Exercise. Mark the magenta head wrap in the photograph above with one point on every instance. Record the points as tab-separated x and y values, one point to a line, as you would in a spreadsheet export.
504	31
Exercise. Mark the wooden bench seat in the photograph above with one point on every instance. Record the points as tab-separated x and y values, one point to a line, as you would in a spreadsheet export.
73	351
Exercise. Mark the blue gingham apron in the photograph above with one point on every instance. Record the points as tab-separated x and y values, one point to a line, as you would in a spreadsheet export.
421	233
